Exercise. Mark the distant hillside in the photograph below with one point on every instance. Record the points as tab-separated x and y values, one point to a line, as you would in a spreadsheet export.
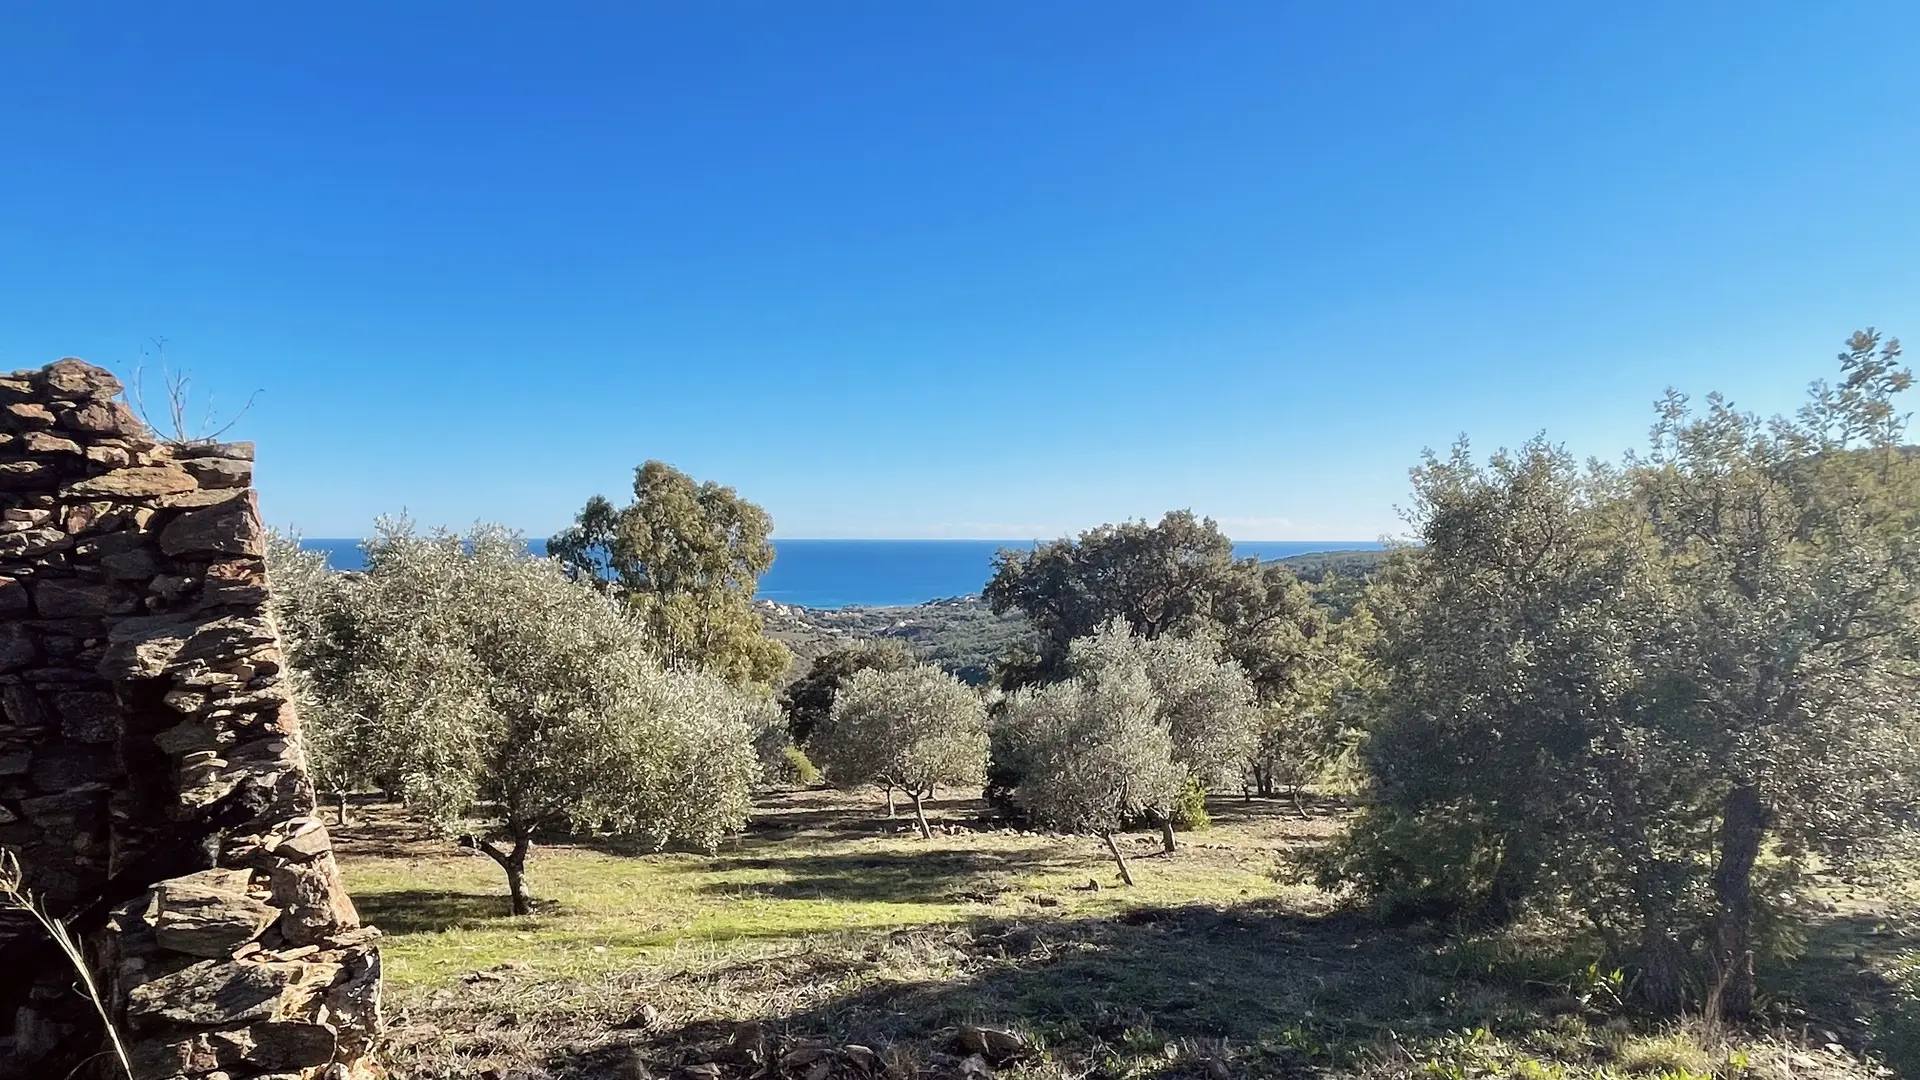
964	636
1339	578
961	634
1321	566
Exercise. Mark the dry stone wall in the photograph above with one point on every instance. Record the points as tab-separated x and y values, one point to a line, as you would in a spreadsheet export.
151	779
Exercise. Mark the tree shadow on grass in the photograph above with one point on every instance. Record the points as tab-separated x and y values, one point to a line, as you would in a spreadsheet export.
1287	992
933	875
1839	982
778	821
429	911
1281	809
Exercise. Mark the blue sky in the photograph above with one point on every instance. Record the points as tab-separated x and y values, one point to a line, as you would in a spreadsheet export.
993	269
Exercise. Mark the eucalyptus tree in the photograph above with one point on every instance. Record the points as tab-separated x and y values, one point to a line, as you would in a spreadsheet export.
476	681
686	558
911	728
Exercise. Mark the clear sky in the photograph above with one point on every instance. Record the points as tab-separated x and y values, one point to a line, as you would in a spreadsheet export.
994	268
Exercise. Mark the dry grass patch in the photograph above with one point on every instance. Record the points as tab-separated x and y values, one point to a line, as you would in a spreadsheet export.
826	927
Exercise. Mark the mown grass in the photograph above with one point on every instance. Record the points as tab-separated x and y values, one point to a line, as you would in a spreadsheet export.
826	924
813	864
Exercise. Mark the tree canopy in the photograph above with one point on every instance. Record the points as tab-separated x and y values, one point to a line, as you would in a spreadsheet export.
1178	577
1093	752
685	557
809	699
473	680
910	728
1203	699
1650	692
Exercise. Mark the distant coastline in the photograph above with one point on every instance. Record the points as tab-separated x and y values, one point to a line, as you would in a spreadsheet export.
838	574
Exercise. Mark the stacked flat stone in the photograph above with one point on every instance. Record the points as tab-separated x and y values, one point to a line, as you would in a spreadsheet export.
142	682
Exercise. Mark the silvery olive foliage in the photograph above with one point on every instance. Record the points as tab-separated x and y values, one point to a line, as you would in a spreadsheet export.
910	728
304	604
1095	750
468	678
1205	699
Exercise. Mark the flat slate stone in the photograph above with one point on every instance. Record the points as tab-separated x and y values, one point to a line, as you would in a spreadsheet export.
201	921
139	482
228	528
212	993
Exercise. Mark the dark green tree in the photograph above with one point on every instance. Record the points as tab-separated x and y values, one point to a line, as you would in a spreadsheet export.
1175	577
808	700
1588	673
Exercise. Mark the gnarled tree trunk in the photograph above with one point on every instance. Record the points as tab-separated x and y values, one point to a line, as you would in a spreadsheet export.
920	814
1513	876
514	862
1663	973
1166	832
1742	829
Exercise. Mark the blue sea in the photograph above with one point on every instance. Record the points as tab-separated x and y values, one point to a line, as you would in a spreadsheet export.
883	573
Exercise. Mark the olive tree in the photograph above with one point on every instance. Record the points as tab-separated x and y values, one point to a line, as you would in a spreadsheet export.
1205	701
476	681
1093	752
305	601
809	699
910	728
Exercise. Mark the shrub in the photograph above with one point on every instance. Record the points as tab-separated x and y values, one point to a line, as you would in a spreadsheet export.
799	769
1189	810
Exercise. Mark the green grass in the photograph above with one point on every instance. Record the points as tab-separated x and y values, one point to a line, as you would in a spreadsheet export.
827	925
446	912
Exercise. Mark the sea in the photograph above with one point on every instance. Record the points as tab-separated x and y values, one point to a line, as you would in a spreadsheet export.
882	573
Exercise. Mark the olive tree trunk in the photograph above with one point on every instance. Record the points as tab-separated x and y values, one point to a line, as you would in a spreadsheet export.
1126	876
1742	829
920	814
1166	832
514	862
